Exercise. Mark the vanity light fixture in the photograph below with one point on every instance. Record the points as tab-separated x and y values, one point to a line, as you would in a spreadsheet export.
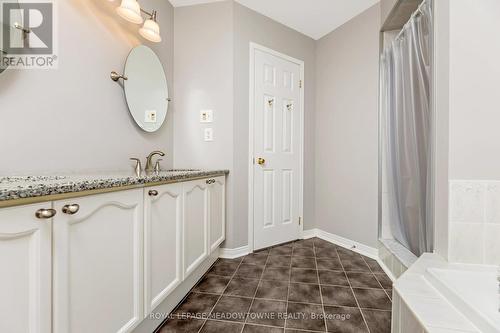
151	30
131	11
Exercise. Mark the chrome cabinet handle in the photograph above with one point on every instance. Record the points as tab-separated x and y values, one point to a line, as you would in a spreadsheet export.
45	214
210	181
71	209
153	193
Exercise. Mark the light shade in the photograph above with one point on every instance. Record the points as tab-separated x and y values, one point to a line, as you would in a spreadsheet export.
130	10
151	31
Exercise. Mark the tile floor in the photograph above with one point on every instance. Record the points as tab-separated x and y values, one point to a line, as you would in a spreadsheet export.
304	286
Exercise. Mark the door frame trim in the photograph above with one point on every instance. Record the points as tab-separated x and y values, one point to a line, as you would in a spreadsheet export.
254	47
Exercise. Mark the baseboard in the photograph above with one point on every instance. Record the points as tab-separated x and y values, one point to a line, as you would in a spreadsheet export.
363	249
234	253
306	234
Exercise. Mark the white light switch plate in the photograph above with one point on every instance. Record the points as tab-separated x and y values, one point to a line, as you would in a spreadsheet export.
209	134
206	116
150	116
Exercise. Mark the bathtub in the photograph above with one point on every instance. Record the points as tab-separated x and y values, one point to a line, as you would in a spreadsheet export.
472	290
436	296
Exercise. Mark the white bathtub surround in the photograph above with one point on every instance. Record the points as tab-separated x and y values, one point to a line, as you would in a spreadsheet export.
436	296
472	289
475	221
395	256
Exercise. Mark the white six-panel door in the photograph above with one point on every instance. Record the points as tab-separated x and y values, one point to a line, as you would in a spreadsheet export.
277	149
163	242
25	270
98	265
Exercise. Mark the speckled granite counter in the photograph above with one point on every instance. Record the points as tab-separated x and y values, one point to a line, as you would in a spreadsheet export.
21	190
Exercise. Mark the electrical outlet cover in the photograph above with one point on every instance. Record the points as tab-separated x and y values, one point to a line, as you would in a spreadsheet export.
150	116
206	116
209	134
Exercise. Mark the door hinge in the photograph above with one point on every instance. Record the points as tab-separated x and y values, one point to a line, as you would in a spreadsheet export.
300	220
300	84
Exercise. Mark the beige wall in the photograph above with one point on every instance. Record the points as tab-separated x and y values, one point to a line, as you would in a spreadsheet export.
252	26
474	89
75	118
347	129
203	57
474	136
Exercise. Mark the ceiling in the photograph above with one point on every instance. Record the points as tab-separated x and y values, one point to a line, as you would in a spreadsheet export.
314	18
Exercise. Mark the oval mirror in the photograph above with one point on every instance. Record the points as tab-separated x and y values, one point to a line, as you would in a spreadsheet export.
14	36
146	88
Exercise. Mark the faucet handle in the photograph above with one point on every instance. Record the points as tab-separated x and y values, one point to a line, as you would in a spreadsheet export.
138	166
157	165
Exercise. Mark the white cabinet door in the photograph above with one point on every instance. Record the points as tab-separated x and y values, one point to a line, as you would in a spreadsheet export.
163	259
195	225
217	211
98	266
25	269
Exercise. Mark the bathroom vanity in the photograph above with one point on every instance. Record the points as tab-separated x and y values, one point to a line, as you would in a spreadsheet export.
100	253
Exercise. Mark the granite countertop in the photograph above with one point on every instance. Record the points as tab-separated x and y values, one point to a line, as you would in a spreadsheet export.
32	187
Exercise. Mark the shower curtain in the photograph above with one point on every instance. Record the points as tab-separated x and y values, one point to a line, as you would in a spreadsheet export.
405	80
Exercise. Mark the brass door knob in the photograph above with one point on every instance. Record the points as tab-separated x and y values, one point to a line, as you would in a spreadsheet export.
261	161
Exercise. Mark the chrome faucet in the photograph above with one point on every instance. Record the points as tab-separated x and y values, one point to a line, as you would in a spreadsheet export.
149	160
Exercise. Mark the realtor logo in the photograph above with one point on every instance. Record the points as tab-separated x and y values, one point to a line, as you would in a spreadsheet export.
28	35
